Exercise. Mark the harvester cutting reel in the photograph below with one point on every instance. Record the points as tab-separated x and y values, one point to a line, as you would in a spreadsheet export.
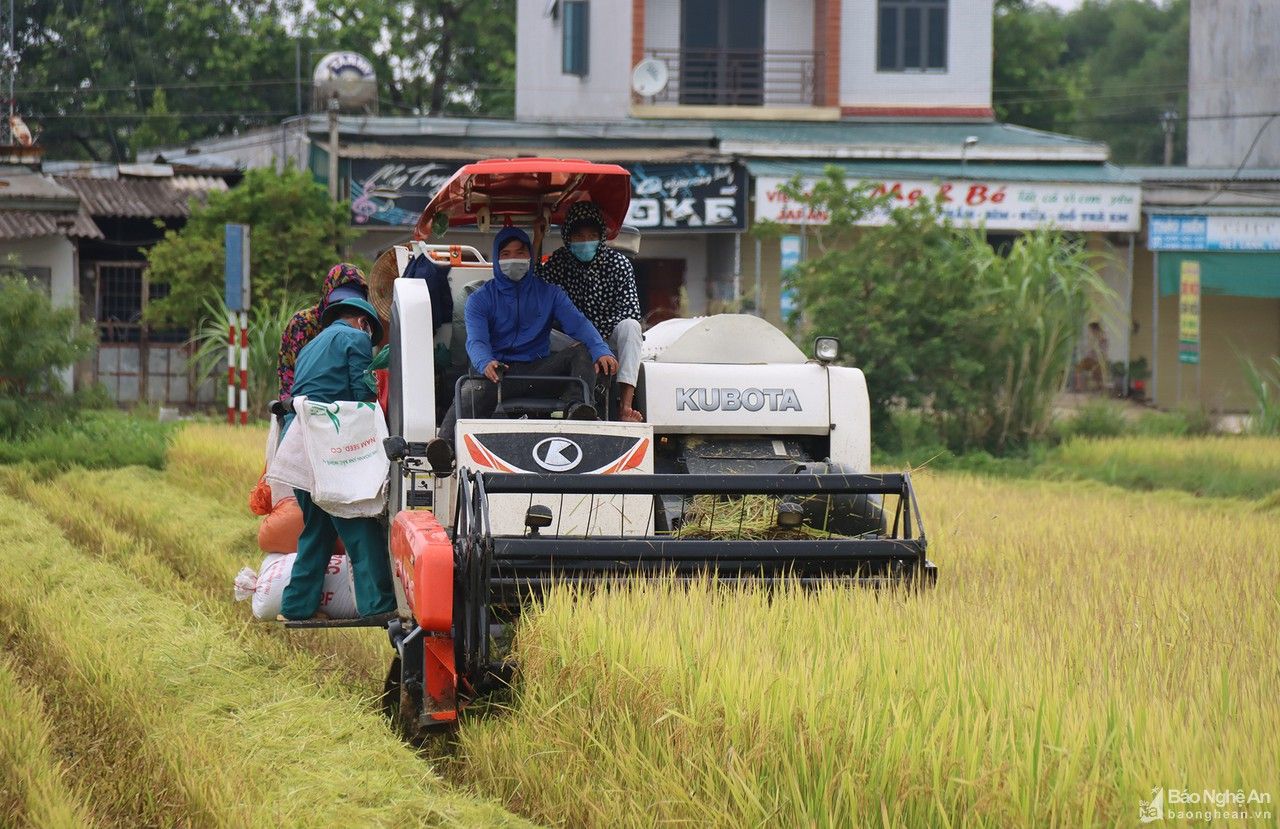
467	586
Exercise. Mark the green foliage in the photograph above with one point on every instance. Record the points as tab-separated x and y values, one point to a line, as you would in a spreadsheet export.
1106	70
267	321
113	77
36	342
1264	383
977	342
97	68
456	57
1096	419
295	235
94	440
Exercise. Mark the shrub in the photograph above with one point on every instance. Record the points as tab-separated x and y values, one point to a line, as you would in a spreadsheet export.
1096	419
36	342
938	320
267	321
1264	383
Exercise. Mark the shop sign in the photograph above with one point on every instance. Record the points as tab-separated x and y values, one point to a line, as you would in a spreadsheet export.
393	192
1189	313
664	197
687	196
1219	233
999	205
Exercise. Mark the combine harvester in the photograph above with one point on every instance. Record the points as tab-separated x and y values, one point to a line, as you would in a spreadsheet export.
736	418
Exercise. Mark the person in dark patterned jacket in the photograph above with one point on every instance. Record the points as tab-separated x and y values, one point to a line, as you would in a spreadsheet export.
602	284
345	281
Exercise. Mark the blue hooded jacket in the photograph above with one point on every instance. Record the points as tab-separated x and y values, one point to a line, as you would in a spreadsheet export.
511	321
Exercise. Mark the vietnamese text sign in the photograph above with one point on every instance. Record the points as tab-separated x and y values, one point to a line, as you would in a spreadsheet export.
999	205
1222	233
688	196
1189	313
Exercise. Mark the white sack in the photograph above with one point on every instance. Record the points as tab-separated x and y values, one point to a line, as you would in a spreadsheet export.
266	587
343	441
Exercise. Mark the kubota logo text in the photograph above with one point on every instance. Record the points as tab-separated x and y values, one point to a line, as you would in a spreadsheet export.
731	400
557	454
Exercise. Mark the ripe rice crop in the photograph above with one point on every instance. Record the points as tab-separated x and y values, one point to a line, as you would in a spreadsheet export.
34	787
1082	646
218	460
188	726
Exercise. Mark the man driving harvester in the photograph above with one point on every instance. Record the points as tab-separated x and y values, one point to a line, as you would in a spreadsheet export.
509	329
601	282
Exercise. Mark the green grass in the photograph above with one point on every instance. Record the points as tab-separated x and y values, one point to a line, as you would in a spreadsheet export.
95	439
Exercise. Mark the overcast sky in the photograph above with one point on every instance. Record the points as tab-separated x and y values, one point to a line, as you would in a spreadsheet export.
1065	5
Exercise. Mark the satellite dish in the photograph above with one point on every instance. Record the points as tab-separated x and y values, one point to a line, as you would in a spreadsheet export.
350	78
649	77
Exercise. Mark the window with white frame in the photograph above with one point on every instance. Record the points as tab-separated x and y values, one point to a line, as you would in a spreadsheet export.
912	35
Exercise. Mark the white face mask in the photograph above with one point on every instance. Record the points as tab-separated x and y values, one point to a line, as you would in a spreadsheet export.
514	269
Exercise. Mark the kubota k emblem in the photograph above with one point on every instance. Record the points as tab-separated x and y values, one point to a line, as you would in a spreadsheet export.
557	454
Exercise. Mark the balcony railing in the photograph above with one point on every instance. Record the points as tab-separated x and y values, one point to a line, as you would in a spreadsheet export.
736	77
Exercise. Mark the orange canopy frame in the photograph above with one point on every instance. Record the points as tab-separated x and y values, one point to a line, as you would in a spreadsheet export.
524	190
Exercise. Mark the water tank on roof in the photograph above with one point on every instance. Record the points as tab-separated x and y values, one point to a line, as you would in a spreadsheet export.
348	76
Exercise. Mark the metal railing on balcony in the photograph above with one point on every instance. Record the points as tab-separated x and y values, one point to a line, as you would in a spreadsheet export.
736	77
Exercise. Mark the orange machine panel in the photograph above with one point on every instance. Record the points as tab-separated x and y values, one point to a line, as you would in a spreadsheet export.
422	555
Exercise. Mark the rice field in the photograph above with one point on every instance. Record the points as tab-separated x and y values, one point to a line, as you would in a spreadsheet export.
1084	645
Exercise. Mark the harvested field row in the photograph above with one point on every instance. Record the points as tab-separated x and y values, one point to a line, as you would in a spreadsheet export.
191	726
1077	652
34	787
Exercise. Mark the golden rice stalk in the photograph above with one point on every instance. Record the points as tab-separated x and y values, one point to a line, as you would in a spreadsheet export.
34	789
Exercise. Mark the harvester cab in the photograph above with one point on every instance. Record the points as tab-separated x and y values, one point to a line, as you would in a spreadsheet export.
753	463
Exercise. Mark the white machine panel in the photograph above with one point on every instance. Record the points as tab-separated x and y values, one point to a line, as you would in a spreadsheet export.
784	399
568	448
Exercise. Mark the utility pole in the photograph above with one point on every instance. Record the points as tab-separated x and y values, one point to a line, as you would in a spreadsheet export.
1169	123
333	147
9	66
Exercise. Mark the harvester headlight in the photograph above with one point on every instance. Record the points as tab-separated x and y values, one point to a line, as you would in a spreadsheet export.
790	515
537	517
826	349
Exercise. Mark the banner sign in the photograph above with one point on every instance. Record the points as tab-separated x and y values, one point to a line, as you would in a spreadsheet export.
789	252
1189	313
999	205
394	192
664	197
1220	233
687	196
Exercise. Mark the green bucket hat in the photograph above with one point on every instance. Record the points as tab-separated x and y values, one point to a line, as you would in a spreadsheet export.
336	309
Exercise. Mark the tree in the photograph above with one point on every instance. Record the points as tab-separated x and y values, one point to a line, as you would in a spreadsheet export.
295	236
37	341
979	343
90	70
1106	70
433	56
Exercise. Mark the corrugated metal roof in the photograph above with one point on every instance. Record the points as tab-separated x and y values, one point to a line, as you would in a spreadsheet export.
163	198
1009	171
902	140
474	153
28	224
1210	174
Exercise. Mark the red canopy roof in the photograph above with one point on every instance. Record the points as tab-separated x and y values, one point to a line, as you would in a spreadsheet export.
487	193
